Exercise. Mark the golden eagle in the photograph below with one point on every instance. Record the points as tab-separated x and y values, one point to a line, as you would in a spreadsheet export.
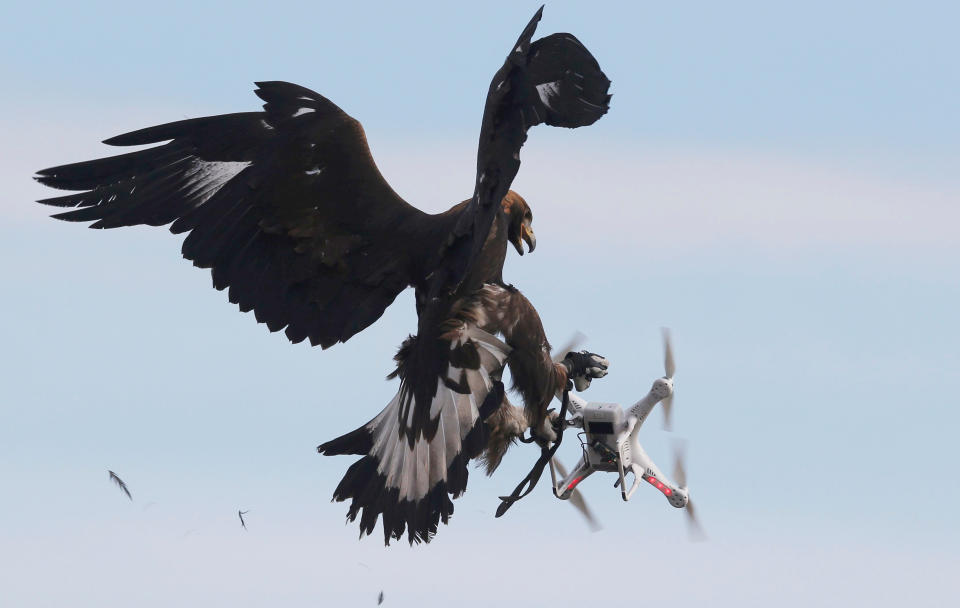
288	210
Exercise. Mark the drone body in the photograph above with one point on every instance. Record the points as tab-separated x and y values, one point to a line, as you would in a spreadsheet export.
610	443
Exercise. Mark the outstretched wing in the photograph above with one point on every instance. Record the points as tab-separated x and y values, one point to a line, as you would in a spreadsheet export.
555	81
286	206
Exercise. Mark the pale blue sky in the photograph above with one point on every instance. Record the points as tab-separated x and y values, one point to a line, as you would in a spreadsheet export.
777	184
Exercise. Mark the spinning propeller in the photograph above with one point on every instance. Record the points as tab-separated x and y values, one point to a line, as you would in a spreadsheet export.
680	475
573	343
669	368
579	503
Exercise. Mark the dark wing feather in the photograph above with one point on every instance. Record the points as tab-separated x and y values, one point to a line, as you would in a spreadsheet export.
285	206
120	484
555	81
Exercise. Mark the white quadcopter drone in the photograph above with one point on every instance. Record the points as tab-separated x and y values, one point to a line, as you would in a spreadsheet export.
609	440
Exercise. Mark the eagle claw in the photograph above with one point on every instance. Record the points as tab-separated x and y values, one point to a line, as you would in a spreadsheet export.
583	367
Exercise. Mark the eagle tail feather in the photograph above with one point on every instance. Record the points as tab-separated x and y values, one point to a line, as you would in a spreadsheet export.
410	483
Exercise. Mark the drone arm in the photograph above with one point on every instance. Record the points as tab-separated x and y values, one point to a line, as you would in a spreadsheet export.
641	409
645	469
576	403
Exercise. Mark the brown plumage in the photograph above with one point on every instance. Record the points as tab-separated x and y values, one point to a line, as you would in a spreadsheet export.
288	210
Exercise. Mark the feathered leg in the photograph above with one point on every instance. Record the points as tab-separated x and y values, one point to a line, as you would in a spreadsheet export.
535	376
504	425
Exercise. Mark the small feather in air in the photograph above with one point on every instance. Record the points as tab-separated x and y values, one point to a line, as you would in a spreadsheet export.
120	484
241	514
380	599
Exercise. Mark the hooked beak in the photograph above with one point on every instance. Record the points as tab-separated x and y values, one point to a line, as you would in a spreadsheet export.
527	234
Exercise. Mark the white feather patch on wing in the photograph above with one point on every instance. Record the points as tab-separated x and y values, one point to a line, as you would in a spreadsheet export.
204	179
414	471
548	91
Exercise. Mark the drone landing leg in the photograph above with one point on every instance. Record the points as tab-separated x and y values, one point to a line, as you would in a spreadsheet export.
637	471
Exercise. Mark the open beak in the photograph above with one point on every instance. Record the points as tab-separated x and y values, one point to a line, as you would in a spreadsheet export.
526	232
529	237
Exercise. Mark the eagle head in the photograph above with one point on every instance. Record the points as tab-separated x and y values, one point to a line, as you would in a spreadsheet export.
519	219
